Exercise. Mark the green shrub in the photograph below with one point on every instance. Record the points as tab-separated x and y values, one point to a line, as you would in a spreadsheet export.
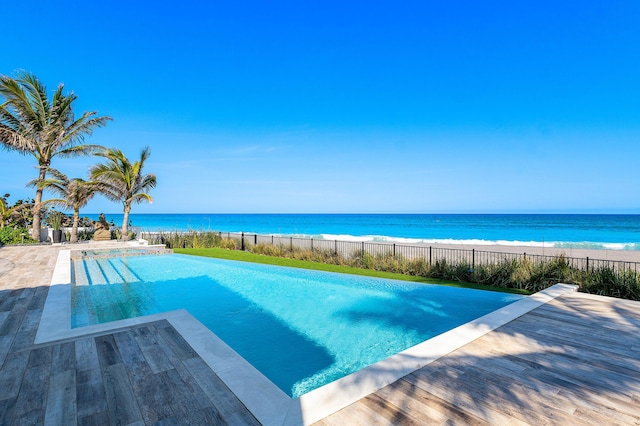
15	236
191	239
227	243
606	281
268	250
362	259
418	267
85	235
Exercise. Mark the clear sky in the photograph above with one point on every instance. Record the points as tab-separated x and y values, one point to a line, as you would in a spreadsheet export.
348	106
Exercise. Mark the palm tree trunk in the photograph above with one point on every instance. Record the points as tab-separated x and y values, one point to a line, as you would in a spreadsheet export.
37	206
125	222
74	228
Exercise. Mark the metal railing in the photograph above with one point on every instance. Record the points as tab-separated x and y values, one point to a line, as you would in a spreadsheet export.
432	254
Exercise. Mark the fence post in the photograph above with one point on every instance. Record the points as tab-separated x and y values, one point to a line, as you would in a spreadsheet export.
394	249
255	239
429	255
271	239
311	243
242	243
336	247
587	264
363	247
291	243
473	258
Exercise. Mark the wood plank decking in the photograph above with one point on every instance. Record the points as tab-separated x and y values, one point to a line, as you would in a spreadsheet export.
575	360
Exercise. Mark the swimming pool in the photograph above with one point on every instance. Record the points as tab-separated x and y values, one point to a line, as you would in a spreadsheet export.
300	328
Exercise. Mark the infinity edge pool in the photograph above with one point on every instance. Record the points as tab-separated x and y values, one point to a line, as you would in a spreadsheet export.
268	403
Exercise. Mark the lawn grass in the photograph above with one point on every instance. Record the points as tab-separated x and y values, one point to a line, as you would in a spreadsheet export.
244	256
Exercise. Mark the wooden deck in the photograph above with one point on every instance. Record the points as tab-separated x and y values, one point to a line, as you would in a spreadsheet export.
575	360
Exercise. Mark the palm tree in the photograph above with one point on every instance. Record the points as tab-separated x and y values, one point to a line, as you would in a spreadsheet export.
74	194
120	180
33	125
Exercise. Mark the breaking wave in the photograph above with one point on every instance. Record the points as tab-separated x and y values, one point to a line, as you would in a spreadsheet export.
480	242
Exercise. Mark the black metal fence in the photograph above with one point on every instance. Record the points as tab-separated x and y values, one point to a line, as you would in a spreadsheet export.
471	257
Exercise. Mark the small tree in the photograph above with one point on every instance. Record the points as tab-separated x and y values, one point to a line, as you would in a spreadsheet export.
74	194
121	180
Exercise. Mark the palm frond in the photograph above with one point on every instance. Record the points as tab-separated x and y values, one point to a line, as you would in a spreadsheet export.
14	94
16	115
36	97
78	150
146	183
9	120
58	202
110	192
57	174
138	198
84	126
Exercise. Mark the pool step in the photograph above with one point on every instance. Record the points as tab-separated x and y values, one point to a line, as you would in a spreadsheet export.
105	271
110	272
80	273
124	270
94	273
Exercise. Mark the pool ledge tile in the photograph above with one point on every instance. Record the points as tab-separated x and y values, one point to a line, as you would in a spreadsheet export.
268	403
56	314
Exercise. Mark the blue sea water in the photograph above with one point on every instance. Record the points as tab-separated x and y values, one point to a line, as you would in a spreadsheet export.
592	231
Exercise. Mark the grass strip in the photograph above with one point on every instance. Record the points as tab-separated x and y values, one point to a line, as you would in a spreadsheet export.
244	256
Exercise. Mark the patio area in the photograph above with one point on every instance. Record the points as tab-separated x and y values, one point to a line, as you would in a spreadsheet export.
575	360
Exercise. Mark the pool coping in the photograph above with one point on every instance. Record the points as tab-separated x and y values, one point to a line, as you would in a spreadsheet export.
268	403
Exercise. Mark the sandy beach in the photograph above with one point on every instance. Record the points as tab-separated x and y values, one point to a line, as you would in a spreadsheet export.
617	255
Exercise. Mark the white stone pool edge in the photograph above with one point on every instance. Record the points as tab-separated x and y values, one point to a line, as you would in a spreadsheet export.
268	403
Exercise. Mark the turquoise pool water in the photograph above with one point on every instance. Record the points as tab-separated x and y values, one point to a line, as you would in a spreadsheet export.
302	329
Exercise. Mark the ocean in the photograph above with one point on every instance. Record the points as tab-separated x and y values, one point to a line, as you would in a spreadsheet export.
588	231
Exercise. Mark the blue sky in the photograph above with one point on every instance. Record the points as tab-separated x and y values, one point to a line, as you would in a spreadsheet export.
362	106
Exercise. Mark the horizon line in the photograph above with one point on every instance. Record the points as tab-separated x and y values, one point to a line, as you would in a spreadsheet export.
578	212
